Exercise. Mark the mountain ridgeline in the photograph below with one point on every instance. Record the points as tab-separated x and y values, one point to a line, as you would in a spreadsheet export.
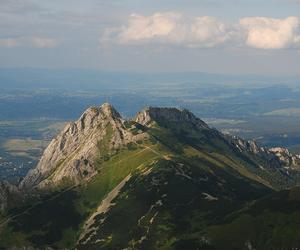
163	180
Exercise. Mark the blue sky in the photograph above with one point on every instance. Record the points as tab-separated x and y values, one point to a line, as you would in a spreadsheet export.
217	36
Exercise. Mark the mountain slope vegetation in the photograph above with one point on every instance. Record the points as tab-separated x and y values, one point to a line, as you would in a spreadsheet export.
163	180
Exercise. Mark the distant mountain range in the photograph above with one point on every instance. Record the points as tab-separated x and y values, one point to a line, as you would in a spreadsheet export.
163	180
32	78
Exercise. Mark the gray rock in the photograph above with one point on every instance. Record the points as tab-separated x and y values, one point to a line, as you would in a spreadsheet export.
285	156
72	154
275	157
150	114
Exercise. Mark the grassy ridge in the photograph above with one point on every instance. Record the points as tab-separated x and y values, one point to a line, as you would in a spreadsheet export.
197	191
56	220
271	223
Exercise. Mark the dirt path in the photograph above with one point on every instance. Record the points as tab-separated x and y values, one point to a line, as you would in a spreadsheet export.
155	152
103	208
8	218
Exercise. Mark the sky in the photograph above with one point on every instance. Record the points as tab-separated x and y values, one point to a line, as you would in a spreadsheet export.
213	36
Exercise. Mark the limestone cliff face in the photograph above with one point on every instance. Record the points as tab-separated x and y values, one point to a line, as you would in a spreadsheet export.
101	131
275	157
72	154
150	114
250	146
286	157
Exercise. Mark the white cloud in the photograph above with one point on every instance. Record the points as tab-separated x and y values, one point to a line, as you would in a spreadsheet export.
157	26
269	33
210	32
35	42
172	28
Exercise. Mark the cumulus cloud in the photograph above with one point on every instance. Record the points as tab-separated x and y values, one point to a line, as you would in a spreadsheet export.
269	33
173	28
158	26
35	42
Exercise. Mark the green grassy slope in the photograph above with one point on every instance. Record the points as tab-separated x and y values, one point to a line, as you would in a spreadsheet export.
173	203
270	223
56	219
189	187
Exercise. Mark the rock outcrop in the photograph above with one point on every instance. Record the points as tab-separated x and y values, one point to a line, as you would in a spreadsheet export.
275	157
285	156
74	154
71	156
150	114
100	131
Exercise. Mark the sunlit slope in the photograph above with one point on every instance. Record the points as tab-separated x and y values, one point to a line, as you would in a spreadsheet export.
170	184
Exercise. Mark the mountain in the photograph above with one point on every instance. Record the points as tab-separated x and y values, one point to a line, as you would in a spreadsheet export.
277	157
277	165
163	180
73	154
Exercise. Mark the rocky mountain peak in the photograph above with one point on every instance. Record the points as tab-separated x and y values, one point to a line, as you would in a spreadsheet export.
92	115
276	157
74	153
109	110
71	154
285	156
100	131
154	114
247	145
